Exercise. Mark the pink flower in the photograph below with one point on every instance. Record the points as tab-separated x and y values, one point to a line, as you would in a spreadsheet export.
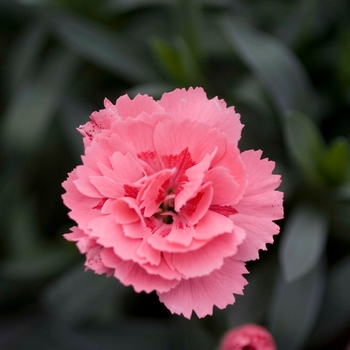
166	202
248	337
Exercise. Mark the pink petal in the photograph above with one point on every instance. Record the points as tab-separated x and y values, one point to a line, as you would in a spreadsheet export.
183	144
266	204
83	182
140	104
224	185
202	293
233	162
259	232
126	168
126	210
163	270
100	120
147	252
181	233
84	242
158	241
109	234
259	206
260	177
139	136
107	187
192	179
130	273
211	225
136	230
248	336
82	207
153	191
210	257
196	207
75	235
194	105
94	262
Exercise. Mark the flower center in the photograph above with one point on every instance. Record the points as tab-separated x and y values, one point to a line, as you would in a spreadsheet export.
167	210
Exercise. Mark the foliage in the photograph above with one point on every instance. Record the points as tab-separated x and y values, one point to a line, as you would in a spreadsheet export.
284	65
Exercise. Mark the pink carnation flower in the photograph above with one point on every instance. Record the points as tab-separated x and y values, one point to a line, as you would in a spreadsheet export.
166	202
248	337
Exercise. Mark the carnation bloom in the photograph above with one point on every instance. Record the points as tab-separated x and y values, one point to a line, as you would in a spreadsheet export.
248	337
166	202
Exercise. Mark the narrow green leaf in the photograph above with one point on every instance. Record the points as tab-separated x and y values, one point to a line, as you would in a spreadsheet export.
191	66
344	57
106	48
168	59
34	105
22	56
44	264
78	295
294	309
178	61
38	2
335	312
121	6
335	163
156	89
74	113
305	144
22	240
252	306
274	64
303	242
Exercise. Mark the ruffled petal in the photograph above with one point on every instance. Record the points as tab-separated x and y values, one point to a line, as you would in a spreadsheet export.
132	274
259	172
202	293
82	207
134	107
181	233
109	234
184	143
190	181
212	225
210	257
153	191
193	105
197	207
259	206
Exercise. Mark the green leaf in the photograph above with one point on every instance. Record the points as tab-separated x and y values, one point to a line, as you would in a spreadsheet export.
344	57
335	312
156	89
294	309
178	61
22	239
32	108
44	264
302	242
336	161
305	144
106	48
252	306
274	64
77	296
121	6
74	112
169	59
22	56
38	2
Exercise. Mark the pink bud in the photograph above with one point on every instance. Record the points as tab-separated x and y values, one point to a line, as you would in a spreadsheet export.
248	337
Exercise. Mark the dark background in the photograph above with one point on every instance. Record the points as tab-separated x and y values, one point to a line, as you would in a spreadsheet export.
285	65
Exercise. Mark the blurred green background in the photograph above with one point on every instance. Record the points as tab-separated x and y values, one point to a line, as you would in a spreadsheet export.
285	65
